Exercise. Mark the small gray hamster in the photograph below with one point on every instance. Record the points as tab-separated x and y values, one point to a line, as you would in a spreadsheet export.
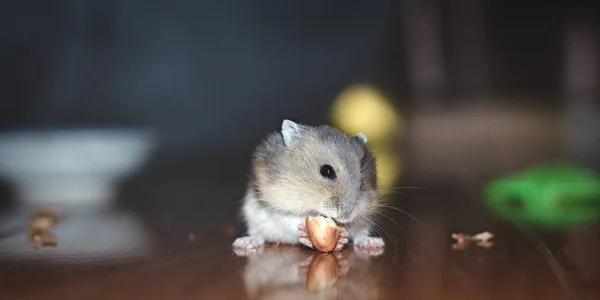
308	171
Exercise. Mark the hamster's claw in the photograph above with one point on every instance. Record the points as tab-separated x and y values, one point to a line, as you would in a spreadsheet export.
343	232
343	239
303	238
303	230
306	242
244	246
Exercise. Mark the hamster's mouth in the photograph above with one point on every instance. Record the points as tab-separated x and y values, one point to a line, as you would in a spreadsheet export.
337	222
342	224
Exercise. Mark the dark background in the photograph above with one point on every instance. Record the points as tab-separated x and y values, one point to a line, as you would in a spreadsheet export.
215	75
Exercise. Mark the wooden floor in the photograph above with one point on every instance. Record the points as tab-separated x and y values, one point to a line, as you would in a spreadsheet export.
185	253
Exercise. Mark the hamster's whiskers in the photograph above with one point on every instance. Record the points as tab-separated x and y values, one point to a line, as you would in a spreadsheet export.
397	190
409	187
371	158
378	227
366	221
400	210
388	195
392	220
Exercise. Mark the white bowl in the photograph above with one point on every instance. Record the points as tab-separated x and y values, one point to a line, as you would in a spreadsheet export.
71	166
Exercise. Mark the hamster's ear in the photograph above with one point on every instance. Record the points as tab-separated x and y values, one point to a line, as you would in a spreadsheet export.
291	131
361	137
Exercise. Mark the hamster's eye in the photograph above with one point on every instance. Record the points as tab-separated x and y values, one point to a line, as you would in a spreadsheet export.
327	171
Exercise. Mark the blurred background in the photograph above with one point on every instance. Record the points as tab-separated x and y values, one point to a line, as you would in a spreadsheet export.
137	119
457	91
214	77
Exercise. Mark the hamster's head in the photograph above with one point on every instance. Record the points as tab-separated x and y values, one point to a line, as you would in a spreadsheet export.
320	170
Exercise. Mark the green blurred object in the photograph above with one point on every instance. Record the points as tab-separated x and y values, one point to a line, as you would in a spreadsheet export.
552	196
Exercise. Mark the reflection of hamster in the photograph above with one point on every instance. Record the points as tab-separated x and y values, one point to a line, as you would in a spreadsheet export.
282	273
310	170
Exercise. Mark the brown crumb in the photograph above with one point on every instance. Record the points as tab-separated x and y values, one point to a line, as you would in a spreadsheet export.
43	239
483	237
191	237
40	224
43	220
463	240
228	230
47	212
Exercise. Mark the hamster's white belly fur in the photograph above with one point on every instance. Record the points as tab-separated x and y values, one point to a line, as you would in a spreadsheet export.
270	225
282	228
266	225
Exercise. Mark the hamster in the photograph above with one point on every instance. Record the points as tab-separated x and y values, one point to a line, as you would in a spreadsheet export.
309	171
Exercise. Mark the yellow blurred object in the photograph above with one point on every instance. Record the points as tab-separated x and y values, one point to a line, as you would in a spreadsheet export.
388	171
361	108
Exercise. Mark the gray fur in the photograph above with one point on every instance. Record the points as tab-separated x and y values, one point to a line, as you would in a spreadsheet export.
286	175
286	186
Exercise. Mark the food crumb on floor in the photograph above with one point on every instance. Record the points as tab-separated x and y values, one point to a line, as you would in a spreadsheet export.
40	225
481	239
192	238
227	230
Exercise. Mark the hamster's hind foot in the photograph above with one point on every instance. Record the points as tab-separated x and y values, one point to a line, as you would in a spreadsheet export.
370	246
305	240
369	242
243	246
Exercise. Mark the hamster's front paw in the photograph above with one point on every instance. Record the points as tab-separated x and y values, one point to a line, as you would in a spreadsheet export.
370	246
246	245
305	240
343	239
